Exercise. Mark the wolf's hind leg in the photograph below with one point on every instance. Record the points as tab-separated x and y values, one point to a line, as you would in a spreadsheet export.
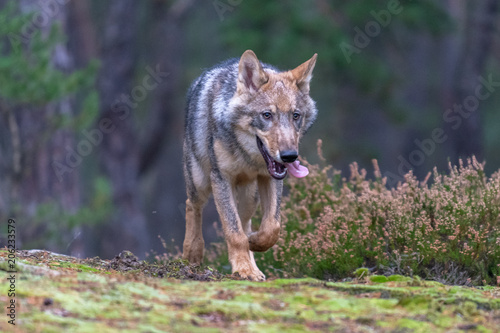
194	244
198	192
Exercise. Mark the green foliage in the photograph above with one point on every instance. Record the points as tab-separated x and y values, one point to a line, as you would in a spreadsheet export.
84	119
447	231
27	72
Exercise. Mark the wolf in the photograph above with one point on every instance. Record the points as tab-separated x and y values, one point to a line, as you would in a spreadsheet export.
244	120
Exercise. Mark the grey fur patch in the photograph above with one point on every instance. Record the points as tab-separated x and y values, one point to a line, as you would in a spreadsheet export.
224	201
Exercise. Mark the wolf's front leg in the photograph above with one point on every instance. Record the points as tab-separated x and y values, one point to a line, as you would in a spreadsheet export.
237	240
270	191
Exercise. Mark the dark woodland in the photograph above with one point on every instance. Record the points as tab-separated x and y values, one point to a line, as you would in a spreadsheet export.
92	97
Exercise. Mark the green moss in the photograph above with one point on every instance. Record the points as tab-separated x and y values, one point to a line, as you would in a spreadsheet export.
413	325
6	266
276	328
361	272
399	278
288	282
378	278
91	301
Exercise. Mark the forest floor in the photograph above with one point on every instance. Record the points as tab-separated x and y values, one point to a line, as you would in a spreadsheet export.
56	293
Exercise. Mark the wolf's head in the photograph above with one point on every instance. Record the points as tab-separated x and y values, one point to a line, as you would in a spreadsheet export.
276	108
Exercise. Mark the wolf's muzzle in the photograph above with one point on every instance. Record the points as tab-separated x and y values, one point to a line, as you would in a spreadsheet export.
289	156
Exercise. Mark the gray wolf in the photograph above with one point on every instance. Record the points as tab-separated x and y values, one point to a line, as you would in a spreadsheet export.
244	120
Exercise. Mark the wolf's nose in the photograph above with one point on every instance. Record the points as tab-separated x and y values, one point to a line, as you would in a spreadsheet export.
289	156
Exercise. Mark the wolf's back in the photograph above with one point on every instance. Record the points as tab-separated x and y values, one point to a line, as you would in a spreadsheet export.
206	109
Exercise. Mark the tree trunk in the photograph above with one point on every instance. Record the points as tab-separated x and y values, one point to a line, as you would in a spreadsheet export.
463	124
119	150
168	21
81	33
161	148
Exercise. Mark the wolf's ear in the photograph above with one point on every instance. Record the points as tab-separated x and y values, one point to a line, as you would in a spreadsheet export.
251	76
303	74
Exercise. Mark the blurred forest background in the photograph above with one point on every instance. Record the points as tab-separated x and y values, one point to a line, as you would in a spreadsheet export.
92	97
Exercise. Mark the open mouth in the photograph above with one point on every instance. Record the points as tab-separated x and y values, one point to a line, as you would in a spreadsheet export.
276	169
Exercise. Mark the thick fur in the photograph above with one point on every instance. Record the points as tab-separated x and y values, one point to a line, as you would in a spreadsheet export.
228	107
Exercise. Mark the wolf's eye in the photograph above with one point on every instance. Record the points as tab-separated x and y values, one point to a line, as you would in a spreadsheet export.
296	116
267	115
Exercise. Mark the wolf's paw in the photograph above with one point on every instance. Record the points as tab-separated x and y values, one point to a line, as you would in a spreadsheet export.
261	241
250	274
194	259
193	251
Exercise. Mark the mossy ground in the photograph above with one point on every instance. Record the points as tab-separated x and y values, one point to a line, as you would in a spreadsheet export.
62	294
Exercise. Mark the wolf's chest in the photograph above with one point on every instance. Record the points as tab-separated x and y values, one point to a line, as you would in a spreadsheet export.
239	158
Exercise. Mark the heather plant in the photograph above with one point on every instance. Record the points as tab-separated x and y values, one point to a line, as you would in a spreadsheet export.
445	228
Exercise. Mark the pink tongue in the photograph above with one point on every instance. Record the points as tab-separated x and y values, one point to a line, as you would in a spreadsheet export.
297	170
